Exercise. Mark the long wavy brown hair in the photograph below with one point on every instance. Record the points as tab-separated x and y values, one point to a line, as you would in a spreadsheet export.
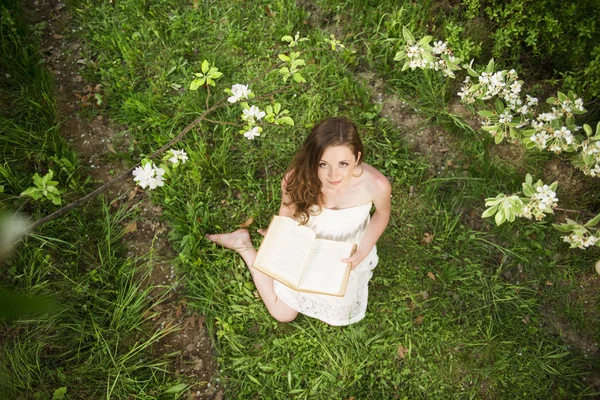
302	182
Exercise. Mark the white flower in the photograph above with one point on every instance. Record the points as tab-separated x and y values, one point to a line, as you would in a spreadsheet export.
252	133
515	87
531	101
547	117
414	51
238	92
177	156
505	117
545	196
579	104
252	113
540	139
439	47
556	148
149	175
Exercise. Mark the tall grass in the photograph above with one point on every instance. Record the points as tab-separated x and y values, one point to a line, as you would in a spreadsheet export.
85	327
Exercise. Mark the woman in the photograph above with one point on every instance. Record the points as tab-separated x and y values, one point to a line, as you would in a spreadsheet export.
328	188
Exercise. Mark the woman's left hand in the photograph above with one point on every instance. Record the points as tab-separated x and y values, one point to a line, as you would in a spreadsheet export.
355	259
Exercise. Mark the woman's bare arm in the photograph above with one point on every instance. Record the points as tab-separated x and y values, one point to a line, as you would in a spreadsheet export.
382	191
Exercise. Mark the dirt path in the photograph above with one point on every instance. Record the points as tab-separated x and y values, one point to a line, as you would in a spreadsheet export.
98	142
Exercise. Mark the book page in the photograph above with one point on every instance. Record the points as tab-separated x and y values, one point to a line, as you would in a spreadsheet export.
325	272
284	250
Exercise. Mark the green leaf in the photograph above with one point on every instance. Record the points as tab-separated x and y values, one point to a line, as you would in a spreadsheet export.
205	66
551	100
283	57
401	55
298	78
499	105
286	120
196	83
499	218
287	38
499	138
490	66
562	97
215	75
59	394
593	222
563	227
490	211
177	388
486	113
284	71
277	108
425	40
408	37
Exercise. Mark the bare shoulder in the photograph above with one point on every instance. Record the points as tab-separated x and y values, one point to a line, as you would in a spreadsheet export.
377	184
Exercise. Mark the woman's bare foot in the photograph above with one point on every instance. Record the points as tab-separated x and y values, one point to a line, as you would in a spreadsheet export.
239	240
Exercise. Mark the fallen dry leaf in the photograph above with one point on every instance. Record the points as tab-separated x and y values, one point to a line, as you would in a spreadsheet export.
526	320
427	238
111	148
548	283
419	320
131	227
424	294
247	223
402	351
179	311
431	276
133	192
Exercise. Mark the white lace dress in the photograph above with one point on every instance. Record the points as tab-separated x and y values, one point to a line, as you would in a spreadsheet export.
348	225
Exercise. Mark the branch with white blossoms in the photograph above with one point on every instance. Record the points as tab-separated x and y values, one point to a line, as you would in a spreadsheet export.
422	55
539	200
581	236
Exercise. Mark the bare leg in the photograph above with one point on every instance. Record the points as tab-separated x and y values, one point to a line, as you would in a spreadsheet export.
241	243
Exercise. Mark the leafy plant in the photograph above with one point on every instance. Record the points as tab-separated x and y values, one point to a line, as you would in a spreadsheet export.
45	188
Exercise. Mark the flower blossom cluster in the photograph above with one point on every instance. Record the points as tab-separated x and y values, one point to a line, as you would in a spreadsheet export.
542	202
581	239
178	156
149	176
437	57
252	114
490	84
592	150
239	92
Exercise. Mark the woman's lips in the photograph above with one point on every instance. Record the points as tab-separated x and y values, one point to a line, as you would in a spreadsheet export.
334	183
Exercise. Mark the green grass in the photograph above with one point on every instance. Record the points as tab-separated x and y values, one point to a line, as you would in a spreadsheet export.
477	330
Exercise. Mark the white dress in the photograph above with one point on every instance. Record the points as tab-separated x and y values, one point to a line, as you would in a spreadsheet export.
347	225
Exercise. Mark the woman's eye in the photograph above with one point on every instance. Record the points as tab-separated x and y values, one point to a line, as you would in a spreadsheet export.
322	165
343	164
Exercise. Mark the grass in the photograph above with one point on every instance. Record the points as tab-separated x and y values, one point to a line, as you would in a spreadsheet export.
457	307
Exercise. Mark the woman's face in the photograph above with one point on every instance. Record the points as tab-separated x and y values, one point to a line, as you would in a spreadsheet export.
336	167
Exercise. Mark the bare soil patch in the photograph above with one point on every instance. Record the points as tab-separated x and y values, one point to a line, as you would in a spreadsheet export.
98	142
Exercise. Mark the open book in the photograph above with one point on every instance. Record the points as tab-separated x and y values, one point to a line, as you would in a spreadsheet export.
293	255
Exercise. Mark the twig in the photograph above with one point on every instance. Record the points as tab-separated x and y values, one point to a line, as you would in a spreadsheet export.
585	213
212	121
207	95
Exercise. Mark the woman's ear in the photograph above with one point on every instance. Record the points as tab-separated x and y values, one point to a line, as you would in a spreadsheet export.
358	157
